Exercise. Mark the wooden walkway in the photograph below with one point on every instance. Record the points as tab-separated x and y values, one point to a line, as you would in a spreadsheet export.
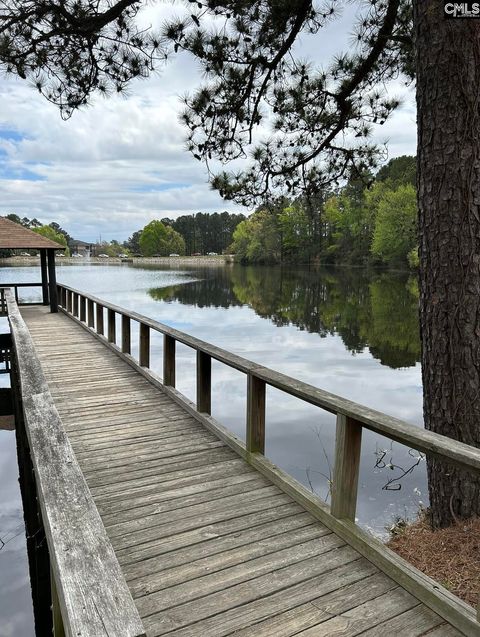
208	546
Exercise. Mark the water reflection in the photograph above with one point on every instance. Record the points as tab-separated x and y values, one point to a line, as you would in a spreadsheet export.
16	616
350	331
378	311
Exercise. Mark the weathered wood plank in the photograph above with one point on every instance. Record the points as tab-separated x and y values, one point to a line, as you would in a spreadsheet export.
156	477
162	482
142	450
197	516
413	623
139	572
92	592
130	471
173	494
192	539
139	542
369	614
172	542
258	588
206	566
130	445
192	589
320	609
212	491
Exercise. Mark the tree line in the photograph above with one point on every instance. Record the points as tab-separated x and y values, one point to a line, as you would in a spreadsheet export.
194	234
371	219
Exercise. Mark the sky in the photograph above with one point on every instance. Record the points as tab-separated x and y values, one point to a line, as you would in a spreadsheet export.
121	162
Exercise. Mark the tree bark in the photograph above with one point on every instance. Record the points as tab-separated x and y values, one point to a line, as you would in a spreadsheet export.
448	180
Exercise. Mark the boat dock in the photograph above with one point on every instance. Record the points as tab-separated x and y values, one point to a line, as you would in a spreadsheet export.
159	521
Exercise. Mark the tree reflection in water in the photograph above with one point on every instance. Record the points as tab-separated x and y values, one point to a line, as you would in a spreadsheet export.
374	310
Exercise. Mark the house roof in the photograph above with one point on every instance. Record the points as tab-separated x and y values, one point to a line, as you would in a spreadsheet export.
77	242
13	236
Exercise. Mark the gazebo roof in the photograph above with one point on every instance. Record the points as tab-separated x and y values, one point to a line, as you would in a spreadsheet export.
13	236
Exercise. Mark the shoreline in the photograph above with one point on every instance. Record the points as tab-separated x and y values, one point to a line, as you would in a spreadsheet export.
218	261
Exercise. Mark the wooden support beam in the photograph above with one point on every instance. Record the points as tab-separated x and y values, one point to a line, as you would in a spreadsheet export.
126	335
168	360
112	328
43	268
255	440
204	383
83	305
91	313
144	356
52	280
348	445
100	326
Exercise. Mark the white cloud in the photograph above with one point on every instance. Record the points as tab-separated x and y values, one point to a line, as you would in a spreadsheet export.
121	162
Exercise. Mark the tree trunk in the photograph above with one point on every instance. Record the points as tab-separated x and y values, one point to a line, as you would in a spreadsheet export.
448	91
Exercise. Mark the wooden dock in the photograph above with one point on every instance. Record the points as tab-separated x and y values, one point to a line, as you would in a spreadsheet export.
211	540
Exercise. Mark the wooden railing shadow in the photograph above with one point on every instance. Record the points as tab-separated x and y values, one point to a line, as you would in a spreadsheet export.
352	418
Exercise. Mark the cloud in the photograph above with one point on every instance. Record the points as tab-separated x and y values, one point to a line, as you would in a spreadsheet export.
121	162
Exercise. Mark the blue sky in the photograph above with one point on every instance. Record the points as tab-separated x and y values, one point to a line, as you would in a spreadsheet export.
120	163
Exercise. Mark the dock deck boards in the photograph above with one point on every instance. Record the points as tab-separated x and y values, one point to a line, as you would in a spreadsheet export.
208	546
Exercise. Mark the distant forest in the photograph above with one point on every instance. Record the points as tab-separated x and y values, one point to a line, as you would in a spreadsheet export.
202	233
372	219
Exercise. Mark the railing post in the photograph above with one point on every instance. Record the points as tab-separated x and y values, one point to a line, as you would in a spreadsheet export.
100	326
204	383
82	308
126	335
168	360
112	336
75	304
255	440
144	355
348	445
43	267
91	313
69	301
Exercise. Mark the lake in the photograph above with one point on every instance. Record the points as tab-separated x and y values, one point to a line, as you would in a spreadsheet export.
349	331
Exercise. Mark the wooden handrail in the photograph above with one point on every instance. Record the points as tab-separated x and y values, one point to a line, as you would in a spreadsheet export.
351	419
450	450
94	599
15	287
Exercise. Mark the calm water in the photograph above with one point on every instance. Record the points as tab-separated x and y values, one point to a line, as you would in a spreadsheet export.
347	331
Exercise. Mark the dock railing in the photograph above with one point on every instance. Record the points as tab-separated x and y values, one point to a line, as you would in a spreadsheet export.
16	286
351	419
89	595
